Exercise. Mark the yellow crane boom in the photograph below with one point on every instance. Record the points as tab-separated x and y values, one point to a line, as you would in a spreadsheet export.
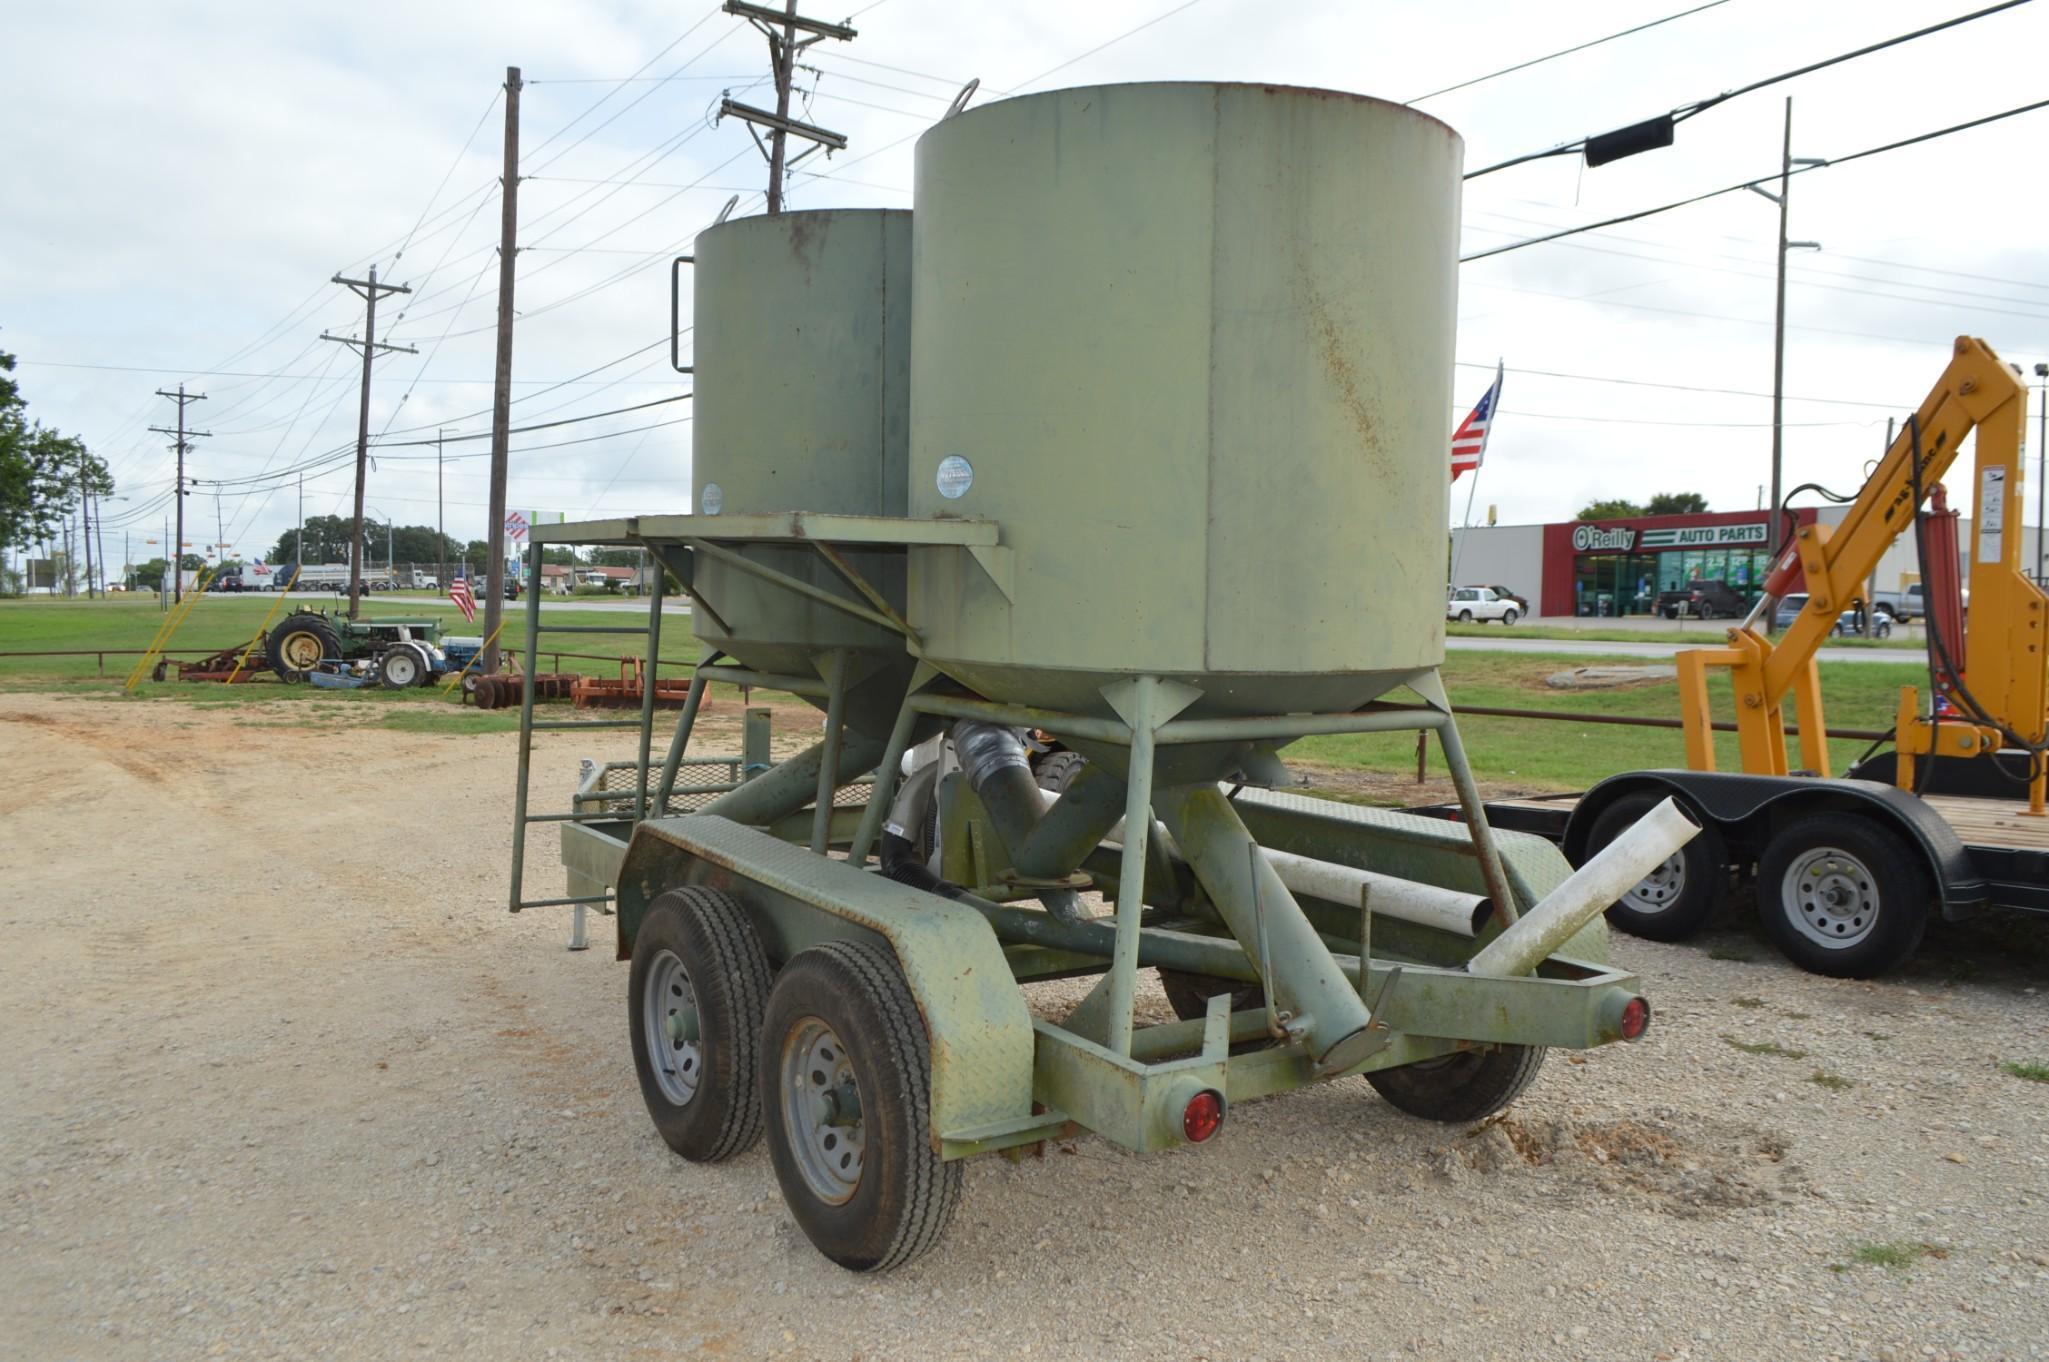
2002	690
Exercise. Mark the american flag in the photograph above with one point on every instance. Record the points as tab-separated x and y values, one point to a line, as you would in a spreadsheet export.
1469	441
459	592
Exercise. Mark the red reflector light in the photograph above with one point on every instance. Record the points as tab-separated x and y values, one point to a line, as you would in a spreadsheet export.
1636	1018
1201	1117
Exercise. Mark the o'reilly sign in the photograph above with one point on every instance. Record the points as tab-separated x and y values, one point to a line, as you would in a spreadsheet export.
1613	538
1588	538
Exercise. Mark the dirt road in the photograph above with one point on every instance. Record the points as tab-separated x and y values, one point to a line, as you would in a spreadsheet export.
282	1079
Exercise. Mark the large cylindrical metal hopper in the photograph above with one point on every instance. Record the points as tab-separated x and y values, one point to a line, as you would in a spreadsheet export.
802	340
1191	346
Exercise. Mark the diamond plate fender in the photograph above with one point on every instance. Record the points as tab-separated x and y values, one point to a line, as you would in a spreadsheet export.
975	1014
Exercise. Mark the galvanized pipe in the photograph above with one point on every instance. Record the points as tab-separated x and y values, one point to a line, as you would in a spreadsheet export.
887	774
679	740
1256	906
1587	891
789	786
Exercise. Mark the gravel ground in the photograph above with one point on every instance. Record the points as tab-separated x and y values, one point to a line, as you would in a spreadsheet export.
284	1080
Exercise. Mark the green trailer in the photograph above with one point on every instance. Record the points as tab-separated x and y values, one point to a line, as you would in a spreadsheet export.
1120	436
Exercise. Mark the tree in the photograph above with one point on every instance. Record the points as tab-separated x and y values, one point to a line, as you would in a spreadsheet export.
43	475
615	558
1613	509
1676	503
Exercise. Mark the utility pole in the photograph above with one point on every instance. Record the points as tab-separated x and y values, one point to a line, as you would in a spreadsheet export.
2041	472
369	290
440	522
501	383
781	29
1787	160
220	524
181	397
299	535
99	523
85	520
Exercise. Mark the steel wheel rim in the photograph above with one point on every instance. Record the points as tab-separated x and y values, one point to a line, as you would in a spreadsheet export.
1660	889
302	651
678	1064
403	668
827	1139
1830	897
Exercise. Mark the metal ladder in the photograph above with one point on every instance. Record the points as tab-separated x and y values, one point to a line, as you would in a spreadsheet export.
651	633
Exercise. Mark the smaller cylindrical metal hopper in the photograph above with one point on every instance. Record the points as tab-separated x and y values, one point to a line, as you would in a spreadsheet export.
802	356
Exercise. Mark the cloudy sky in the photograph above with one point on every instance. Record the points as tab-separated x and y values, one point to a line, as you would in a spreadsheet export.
184	179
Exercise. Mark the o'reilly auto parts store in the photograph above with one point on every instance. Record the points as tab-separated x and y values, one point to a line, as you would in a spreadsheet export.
1604	568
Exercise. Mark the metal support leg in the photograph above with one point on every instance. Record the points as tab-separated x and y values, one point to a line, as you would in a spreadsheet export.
888	773
1138	823
650	671
755	755
680	739
526	724
834	669
579	940
1476	821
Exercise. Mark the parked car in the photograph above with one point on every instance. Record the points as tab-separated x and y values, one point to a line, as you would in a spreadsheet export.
1703	599
511	588
1469	603
1910	604
1846	625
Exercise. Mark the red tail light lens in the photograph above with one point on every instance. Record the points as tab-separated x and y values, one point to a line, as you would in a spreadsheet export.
1636	1018
1201	1117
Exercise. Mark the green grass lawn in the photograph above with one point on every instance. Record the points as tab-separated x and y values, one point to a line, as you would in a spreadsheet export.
1701	633
1532	754
224	621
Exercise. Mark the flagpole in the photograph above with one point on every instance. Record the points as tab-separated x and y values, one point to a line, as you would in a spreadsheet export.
1466	528
1487	434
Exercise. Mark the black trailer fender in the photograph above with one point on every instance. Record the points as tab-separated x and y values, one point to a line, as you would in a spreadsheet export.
1748	809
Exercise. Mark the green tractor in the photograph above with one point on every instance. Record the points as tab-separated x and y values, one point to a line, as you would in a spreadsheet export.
305	638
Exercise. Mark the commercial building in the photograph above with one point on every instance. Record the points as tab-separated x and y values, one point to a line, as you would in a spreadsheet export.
1604	568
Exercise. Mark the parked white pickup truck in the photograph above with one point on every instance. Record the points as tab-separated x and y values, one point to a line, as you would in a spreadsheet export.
1469	603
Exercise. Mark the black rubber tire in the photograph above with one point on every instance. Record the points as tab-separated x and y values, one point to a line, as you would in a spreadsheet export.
299	627
715	940
906	1196
1465	617
1189	994
469	682
408	676
1058	770
1899	876
1703	874
1510	615
1465	1085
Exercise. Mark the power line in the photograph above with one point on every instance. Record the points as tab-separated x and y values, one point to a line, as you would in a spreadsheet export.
1676	387
1762	179
1563	52
1157	18
1657	131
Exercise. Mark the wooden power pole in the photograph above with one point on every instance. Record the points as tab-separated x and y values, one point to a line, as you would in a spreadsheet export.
501	381
369	290
781	29
177	555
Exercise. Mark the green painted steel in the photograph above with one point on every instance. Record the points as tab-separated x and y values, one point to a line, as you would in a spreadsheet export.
980	1029
1196	342
802	341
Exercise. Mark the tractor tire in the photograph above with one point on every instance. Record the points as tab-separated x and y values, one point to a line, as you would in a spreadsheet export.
1679	897
1841	896
298	644
846	1078
696	957
1465	1085
469	683
402	668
